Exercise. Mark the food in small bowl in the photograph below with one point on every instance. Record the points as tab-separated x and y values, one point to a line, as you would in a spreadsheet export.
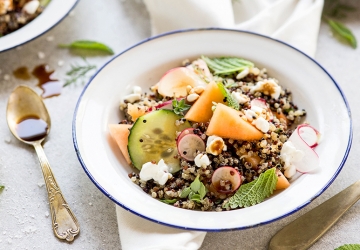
144	64
215	134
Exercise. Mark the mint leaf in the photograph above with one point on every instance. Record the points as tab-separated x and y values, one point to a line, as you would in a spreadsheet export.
254	192
229	98
343	32
180	106
349	247
195	185
226	65
88	45
169	201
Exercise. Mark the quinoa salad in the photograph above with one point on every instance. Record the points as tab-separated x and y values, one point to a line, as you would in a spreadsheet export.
14	14
214	134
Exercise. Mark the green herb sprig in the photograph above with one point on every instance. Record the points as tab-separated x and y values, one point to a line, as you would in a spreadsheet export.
226	65
349	247
88	45
230	100
254	192
78	72
195	192
2	188
180	106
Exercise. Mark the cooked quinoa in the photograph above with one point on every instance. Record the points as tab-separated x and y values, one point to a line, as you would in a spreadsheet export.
249	158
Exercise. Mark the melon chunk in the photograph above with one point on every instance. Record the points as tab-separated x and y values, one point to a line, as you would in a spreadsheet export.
120	133
227	123
201	110
282	182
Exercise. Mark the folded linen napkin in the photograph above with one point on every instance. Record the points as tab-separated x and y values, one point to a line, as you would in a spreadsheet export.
293	21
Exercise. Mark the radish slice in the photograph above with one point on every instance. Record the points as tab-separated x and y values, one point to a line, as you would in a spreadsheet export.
185	132
175	82
309	161
188	145
309	134
226	179
164	105
259	103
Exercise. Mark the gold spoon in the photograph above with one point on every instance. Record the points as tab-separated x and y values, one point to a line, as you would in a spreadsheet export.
29	121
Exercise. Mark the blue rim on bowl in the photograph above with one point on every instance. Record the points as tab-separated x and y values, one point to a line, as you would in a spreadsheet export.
324	187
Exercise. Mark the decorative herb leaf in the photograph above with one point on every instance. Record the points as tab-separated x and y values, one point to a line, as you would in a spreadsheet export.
1	188
254	192
88	45
195	185
180	106
343	32
43	3
185	192
229	98
349	247
169	201
226	65
196	191
78	72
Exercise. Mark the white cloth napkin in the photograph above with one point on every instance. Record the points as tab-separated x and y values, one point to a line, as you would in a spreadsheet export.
293	21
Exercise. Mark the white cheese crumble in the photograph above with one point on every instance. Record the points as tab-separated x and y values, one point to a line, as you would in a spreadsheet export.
202	160
241	98
250	114
261	124
215	145
243	73
159	172
290	155
31	7
268	87
135	96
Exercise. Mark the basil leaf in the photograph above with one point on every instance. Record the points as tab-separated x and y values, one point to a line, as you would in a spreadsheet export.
195	185
88	45
343	32
185	192
169	201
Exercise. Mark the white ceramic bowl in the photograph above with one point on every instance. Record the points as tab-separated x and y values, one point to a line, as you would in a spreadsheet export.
51	16
143	64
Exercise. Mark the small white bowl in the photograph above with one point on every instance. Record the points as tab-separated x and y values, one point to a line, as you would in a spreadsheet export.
143	64
53	13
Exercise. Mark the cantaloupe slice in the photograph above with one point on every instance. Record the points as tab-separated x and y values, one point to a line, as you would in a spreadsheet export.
227	123
201	111
120	133
282	182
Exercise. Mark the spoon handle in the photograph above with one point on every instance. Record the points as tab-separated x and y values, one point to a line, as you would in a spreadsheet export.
308	228
64	222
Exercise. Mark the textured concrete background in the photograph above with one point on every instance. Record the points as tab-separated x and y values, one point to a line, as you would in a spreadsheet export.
24	212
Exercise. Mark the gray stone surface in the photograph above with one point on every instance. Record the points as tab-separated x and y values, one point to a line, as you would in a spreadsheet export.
24	211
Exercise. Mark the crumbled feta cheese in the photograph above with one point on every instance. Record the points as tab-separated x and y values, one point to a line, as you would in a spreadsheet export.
268	87
137	90
257	109
215	145
159	172
261	124
241	98
31	7
202	160
243	73
250	114
131	98
290	155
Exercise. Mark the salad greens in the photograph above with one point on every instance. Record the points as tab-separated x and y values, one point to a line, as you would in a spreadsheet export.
227	65
88	45
254	192
195	192
349	247
2	188
229	98
180	106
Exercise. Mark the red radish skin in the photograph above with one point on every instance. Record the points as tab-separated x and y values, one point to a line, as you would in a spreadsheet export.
228	175
189	145
185	132
312	135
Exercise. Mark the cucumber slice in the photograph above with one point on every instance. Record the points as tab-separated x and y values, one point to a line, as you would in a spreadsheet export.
153	137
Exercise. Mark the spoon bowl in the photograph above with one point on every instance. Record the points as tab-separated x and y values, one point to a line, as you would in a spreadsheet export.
29	121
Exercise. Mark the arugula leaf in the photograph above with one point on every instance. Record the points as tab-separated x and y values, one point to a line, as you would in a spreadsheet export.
172	201
254	192
88	45
229	98
226	65
180	106
343	32
349	247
